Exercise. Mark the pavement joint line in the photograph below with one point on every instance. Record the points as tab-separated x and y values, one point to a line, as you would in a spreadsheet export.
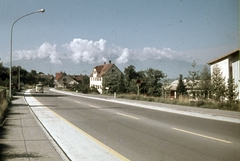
200	135
128	116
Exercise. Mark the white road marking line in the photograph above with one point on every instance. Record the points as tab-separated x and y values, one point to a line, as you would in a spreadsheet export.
204	136
160	108
93	106
77	102
127	116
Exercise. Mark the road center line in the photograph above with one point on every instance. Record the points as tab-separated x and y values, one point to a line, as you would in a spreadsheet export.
93	106
200	135
127	116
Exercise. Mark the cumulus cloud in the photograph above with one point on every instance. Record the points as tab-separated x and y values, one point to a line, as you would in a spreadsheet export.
147	53
45	50
80	50
124	57
86	51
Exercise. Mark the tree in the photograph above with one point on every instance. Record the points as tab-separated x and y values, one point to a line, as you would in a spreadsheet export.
31	78
231	92
181	88
205	81
130	73
4	75
166	88
218	84
193	80
113	81
121	84
153	82
130	77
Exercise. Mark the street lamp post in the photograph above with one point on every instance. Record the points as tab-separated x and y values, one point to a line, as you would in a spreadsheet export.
10	68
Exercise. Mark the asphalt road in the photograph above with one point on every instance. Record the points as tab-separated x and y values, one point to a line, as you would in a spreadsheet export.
141	134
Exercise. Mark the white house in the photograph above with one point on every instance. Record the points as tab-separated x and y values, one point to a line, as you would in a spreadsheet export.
98	72
230	67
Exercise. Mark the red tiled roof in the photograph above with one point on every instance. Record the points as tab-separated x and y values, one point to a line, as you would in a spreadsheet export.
105	69
59	75
102	69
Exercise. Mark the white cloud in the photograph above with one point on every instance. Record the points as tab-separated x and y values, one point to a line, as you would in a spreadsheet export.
45	50
24	54
123	57
86	51
80	50
147	53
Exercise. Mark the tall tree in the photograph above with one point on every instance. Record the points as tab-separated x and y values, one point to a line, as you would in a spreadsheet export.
4	75
231	92
205	81
130	73
218	84
153	81
130	76
113	81
193	80
181	88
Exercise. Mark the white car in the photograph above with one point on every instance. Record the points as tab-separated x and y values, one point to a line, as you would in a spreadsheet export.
39	88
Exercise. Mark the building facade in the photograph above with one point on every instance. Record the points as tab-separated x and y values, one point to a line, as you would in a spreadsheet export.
98	72
230	67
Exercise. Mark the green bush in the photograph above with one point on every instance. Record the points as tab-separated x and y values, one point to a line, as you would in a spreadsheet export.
200	103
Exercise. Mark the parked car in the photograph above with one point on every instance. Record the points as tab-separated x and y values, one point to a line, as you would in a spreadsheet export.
39	88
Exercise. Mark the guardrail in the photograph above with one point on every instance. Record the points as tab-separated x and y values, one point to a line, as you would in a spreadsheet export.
2	95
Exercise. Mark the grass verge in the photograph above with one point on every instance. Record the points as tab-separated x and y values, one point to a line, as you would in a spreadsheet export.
235	106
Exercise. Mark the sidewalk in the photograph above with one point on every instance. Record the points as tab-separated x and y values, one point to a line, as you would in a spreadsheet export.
23	138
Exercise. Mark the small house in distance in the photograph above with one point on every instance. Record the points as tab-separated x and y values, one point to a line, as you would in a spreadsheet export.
98	72
62	80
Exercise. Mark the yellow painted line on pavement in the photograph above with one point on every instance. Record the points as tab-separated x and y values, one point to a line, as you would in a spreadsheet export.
93	106
128	116
200	135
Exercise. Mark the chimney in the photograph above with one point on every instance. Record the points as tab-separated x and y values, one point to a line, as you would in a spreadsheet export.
109	61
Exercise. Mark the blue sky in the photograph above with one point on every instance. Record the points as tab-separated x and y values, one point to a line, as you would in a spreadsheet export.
74	33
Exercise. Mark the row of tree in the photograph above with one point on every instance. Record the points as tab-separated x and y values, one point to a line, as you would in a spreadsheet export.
22	75
204	85
150	82
153	82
